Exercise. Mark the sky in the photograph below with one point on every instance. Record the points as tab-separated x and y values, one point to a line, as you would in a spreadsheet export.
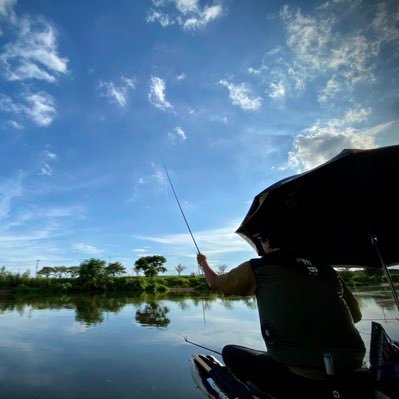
233	95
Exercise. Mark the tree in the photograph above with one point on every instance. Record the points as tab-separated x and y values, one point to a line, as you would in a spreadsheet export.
92	273
61	270
222	269
115	268
150	265
179	268
73	271
46	271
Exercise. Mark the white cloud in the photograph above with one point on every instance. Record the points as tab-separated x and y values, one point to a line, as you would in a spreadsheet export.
157	95
188	14
240	95
7	10
9	189
45	168
87	249
181	76
41	108
117	94
15	125
322	141
33	55
277	90
385	23
212	242
158	174
178	134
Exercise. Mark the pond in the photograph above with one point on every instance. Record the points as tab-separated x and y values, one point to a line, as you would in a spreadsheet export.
122	347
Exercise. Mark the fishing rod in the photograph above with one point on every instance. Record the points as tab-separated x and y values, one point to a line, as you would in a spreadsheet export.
178	203
203	347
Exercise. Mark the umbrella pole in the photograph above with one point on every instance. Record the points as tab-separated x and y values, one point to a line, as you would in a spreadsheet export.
374	241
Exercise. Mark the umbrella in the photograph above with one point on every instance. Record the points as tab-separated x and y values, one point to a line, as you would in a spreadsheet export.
333	210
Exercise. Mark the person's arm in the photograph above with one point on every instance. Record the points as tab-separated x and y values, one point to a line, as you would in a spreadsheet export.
351	301
238	281
210	275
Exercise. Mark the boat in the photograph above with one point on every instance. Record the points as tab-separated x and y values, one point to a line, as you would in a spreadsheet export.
378	381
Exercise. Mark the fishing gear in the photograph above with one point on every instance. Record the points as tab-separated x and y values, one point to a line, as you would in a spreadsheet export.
203	347
178	203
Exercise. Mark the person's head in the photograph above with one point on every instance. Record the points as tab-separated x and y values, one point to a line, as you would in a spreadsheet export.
266	244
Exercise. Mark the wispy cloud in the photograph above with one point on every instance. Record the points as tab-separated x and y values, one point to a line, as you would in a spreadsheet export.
15	125
87	249
38	107
212	242
318	51
240	95
158	174
33	54
9	189
7	9
157	95
117	94
41	108
45	167
177	135
189	14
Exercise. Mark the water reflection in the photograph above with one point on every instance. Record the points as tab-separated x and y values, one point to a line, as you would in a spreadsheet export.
150	310
153	314
125	346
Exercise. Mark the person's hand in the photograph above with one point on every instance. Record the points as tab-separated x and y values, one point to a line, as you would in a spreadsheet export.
202	260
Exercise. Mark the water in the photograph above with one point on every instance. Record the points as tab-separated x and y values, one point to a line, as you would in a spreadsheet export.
128	347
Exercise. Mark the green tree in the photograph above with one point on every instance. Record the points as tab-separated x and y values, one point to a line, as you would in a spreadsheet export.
61	270
46	271
73	271
115	268
92	273
179	268
150	265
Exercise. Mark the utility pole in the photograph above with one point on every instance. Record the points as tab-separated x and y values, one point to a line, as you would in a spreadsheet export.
37	266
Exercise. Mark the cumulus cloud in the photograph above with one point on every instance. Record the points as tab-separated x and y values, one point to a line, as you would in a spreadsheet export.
323	140
33	54
189	14
240	95
117	94
157	95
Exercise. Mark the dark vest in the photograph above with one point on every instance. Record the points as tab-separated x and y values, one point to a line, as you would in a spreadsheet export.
303	314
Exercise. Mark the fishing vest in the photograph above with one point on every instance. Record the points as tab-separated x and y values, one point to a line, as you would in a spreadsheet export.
303	314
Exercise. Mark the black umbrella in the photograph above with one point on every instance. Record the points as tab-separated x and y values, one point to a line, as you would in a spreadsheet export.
332	211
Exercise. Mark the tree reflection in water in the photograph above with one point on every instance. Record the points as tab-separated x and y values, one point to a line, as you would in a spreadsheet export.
153	314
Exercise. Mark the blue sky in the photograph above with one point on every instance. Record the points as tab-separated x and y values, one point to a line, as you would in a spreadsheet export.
234	95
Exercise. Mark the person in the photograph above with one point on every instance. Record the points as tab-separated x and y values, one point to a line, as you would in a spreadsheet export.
306	312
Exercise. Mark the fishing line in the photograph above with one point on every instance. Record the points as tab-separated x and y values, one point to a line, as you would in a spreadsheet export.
178	203
203	347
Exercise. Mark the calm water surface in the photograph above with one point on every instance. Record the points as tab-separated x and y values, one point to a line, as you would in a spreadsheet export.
95	347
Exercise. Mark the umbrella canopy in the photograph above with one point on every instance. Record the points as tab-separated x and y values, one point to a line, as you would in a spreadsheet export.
333	210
